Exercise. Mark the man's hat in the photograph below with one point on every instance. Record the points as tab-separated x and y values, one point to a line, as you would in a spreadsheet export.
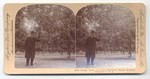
92	31
32	32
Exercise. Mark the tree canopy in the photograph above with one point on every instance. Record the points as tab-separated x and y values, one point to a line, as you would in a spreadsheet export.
60	30
55	25
114	26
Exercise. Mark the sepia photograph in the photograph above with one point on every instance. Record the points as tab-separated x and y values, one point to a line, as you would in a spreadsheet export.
45	37
105	37
51	36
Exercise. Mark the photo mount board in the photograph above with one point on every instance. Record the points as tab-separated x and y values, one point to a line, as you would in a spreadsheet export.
138	10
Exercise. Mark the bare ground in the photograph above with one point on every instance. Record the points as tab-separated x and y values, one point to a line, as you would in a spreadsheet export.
56	60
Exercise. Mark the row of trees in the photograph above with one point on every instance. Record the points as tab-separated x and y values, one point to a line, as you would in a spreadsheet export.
54	24
60	31
114	26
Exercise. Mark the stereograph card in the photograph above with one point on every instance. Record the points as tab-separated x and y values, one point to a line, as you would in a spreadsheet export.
74	38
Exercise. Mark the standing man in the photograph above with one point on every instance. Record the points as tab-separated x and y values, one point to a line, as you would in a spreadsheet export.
30	48
90	48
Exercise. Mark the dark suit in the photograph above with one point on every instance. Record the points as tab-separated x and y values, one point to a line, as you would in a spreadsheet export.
90	49
30	49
